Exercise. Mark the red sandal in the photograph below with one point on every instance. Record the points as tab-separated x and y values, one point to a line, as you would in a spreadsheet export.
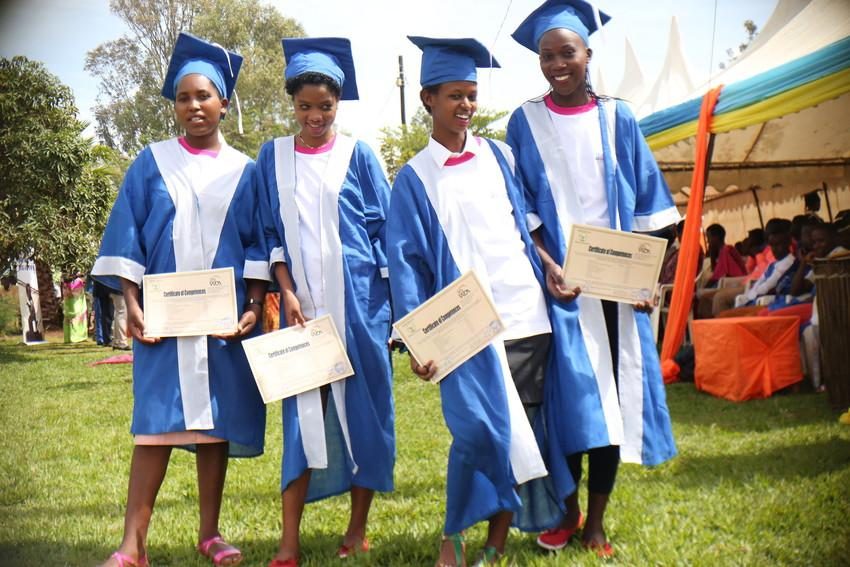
346	551
603	550
558	538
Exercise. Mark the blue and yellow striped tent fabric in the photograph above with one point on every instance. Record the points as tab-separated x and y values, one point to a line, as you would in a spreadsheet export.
788	88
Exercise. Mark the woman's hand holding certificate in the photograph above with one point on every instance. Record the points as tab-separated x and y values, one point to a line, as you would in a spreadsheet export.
297	359
450	328
186	304
614	265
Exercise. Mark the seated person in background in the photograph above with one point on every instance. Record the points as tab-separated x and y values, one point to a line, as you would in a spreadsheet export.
725	262
823	245
812	204
777	278
759	255
842	229
671	258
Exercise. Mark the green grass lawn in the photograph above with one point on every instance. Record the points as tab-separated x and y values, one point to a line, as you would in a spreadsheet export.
761	483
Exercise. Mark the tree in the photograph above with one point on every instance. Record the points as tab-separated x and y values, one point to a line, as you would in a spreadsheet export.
131	113
752	32
57	188
400	144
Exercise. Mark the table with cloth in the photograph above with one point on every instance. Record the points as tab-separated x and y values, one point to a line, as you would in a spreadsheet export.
744	358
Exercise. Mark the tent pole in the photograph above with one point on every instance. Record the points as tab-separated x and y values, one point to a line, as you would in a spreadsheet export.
708	155
826	198
758	205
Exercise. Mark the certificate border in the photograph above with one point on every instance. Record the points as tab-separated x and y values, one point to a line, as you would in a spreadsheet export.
619	234
424	305
265	337
231	274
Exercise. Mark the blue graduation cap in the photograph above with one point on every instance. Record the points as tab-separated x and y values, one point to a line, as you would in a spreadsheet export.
194	55
574	15
329	56
446	60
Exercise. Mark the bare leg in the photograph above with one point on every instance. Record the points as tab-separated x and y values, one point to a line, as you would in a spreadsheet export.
594	532
573	515
497	530
147	471
211	462
293	508
361	502
452	551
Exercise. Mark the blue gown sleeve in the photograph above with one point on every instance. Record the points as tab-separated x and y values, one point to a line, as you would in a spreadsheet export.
251	231
376	197
654	207
410	262
268	201
122	250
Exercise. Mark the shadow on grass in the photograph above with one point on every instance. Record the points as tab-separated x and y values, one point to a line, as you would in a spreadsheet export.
698	409
782	463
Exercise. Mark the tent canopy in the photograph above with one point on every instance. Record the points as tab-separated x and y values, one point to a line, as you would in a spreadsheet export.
783	119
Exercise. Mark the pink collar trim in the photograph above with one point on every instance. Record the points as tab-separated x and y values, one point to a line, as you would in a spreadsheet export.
320	150
469	152
457	160
196	151
568	110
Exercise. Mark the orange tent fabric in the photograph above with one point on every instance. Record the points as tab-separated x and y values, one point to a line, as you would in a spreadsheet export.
683	293
271	313
745	358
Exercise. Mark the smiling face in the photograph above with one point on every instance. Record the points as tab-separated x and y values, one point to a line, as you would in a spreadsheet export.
563	60
199	109
452	107
315	110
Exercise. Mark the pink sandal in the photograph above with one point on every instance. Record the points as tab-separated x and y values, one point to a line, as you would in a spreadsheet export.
125	560
218	558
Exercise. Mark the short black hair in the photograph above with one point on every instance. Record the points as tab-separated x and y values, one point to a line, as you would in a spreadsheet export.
777	226
716	230
812	200
432	90
295	84
756	237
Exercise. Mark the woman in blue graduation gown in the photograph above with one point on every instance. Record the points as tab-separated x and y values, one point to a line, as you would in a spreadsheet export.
189	204
583	160
326	197
457	206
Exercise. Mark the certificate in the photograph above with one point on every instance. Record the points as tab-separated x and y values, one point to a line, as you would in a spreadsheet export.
187	304
297	359
451	327
612	264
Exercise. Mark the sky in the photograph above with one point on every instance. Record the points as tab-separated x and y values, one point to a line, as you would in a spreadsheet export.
60	33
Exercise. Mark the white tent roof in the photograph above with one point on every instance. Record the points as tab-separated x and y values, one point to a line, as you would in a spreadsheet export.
787	156
674	82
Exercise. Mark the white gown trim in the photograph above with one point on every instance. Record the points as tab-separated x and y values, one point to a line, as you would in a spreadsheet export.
198	190
310	415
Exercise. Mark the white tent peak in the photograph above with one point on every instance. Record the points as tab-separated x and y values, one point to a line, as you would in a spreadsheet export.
597	81
632	87
674	81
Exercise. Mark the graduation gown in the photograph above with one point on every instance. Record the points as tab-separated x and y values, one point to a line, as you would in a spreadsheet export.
354	442
493	448
181	212
586	409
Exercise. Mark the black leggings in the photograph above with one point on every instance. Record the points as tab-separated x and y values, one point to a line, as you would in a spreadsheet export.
602	462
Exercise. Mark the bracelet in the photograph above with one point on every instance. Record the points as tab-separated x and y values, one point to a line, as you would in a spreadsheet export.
251	301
